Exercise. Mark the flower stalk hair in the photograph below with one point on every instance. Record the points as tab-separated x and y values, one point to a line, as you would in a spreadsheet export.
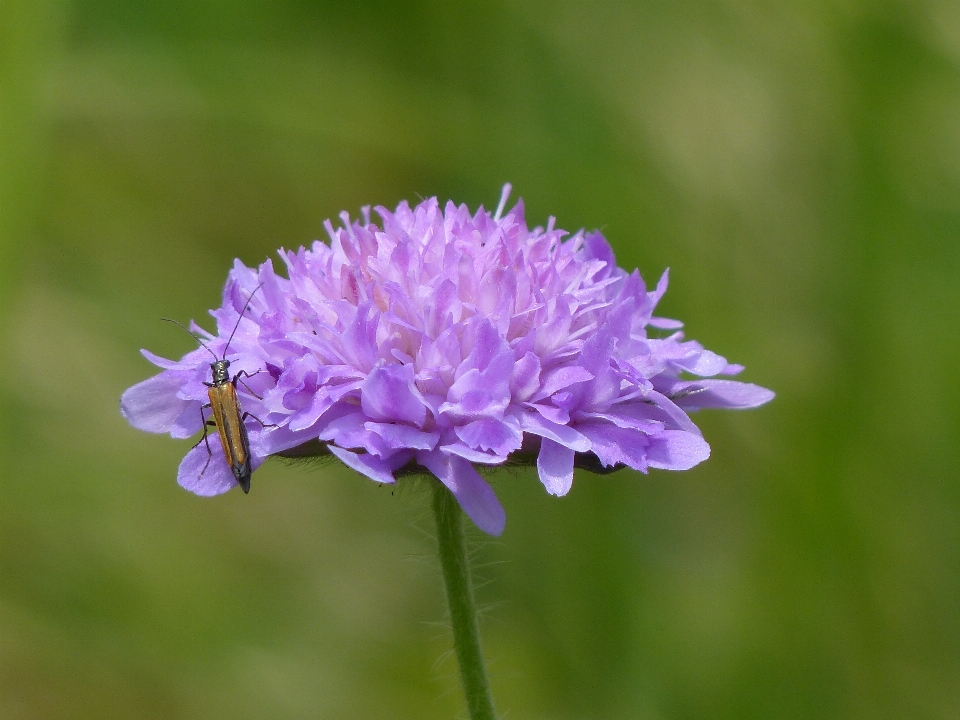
437	339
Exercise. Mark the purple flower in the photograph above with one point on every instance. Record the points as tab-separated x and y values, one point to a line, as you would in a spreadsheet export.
442	339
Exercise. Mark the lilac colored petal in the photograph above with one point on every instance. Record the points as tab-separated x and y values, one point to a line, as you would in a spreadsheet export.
474	396
348	431
323	400
297	384
526	377
341	373
673	411
563	434
719	394
477	456
561	378
676	450
661	287
596	247
487	346
205	478
445	305
595	357
473	493
490	434
664	323
359	341
193	389
469	396
403	436
703	363
627	420
551	413
189	423
388	393
373	467
614	445
276	440
160	361
549	336
555	465
308	416
153	405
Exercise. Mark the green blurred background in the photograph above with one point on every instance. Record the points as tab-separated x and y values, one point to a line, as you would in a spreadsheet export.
796	165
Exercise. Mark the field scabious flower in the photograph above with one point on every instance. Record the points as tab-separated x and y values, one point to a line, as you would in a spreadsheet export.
440	339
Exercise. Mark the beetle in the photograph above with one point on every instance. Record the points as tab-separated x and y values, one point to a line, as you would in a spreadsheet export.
228	416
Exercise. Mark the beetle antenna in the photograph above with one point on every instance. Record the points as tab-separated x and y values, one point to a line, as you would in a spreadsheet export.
230	339
205	347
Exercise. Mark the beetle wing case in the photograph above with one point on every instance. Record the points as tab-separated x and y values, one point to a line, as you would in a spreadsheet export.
232	431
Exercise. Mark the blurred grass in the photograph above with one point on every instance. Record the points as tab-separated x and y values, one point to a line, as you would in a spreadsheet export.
797	166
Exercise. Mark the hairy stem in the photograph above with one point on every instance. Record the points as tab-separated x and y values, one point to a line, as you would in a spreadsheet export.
463	608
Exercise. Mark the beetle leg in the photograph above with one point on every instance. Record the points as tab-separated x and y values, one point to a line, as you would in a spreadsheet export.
236	379
262	423
205	439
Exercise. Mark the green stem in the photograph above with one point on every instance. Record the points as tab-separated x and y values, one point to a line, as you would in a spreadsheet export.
463	609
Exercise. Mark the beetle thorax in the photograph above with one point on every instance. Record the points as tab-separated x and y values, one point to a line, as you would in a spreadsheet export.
221	371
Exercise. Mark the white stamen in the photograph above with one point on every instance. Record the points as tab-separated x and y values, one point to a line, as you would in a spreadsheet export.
507	187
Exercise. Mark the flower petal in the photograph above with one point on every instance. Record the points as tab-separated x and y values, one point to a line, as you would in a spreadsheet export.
719	394
349	431
526	377
560	378
397	436
615	445
491	434
555	465
160	362
153	405
206	473
276	440
676	450
473	493
564	434
373	467
388	394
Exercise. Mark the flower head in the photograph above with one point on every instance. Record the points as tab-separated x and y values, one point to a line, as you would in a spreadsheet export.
442	339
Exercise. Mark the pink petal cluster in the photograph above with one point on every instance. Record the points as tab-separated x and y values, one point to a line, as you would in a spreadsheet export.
444	339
